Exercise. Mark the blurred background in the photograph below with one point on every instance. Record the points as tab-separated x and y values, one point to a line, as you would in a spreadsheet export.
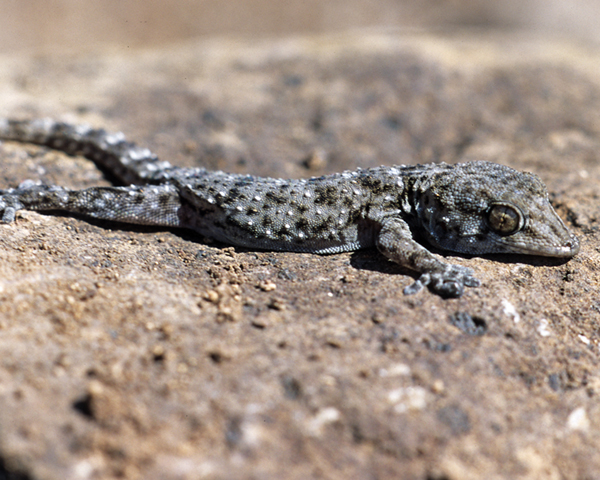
35	25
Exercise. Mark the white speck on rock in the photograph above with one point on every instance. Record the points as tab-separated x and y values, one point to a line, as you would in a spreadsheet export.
543	328
578	420
408	398
323	417
584	339
510	310
398	370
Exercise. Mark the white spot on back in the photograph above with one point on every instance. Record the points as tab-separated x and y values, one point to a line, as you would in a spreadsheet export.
114	138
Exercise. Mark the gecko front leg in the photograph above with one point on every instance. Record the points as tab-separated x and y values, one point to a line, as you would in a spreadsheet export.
396	243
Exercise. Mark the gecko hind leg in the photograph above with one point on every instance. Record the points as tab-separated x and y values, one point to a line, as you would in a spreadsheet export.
143	205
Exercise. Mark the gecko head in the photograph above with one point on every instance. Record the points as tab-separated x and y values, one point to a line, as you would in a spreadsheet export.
489	208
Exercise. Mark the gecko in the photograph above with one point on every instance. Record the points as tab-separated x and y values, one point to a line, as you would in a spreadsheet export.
471	208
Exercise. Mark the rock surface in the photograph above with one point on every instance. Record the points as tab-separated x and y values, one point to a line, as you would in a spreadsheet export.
141	353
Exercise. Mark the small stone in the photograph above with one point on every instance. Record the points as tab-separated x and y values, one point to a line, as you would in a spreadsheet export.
267	286
212	296
316	160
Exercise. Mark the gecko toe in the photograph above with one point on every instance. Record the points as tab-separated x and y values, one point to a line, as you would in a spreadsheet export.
471	282
448	289
417	285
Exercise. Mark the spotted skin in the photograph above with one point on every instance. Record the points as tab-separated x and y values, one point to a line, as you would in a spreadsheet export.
471	208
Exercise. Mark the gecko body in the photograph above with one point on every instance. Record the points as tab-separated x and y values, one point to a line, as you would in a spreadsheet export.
471	208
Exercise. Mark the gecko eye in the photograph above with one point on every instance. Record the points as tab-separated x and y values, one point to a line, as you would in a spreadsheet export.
505	219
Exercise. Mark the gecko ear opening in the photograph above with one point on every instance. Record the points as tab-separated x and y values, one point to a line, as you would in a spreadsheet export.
505	219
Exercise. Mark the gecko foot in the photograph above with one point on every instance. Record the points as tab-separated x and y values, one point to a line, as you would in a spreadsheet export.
10	201
9	205
450	283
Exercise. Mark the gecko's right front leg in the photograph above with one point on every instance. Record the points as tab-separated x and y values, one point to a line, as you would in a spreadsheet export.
146	205
395	242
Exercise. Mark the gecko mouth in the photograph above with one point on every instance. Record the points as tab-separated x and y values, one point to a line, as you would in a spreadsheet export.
567	250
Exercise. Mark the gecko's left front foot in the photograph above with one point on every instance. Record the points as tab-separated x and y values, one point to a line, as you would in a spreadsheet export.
449	283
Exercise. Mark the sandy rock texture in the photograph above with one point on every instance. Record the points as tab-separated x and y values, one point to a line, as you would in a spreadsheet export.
140	353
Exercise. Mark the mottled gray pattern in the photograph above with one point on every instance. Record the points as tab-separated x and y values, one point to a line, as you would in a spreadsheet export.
471	208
